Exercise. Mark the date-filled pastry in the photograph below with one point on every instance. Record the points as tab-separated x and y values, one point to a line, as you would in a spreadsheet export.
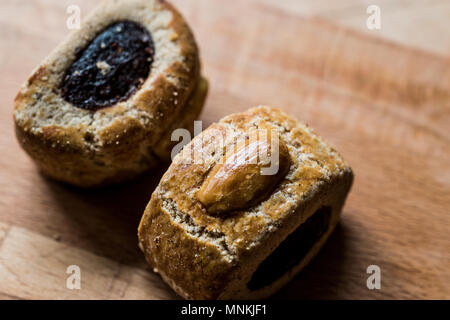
101	108
244	207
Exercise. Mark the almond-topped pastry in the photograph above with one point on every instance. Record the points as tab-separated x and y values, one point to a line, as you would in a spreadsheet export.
237	181
244	207
101	108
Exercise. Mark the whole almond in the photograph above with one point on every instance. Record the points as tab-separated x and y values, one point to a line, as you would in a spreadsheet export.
239	180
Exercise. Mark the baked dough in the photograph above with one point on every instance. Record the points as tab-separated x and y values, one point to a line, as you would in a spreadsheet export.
94	146
252	251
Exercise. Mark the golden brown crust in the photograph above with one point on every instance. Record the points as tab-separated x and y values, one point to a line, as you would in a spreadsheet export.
188	261
318	176
118	141
185	119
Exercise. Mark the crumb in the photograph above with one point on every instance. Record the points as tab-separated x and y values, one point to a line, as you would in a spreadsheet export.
103	66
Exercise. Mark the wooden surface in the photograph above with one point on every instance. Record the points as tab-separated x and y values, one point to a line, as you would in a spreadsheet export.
382	98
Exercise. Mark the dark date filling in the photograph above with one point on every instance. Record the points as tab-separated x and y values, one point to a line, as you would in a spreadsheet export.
292	250
111	68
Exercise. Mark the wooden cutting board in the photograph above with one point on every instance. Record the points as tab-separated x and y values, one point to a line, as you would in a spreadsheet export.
385	106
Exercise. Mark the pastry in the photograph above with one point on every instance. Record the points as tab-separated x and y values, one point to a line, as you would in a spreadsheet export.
100	108
222	224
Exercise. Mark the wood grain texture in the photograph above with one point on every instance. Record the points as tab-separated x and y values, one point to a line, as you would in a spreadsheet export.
384	105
